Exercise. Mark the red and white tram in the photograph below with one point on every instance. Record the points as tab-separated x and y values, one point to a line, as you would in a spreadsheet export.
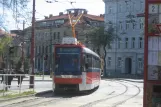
76	67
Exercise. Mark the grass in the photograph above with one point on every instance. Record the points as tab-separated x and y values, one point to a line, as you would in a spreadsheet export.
18	95
1	91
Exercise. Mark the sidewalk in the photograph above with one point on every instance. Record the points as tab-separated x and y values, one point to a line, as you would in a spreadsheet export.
40	87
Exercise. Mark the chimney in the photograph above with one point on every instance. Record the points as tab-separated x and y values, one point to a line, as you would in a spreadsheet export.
69	12
85	12
101	15
46	17
50	15
60	13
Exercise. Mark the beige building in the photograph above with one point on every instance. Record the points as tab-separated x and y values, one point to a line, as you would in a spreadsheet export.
52	29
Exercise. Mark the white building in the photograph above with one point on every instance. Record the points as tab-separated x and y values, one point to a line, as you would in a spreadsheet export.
127	53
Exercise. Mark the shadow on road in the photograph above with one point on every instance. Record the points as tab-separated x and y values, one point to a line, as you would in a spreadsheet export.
67	94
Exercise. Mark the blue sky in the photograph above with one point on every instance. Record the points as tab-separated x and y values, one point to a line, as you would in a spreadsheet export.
43	8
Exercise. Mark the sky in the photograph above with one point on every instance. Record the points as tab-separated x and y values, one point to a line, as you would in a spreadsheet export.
95	7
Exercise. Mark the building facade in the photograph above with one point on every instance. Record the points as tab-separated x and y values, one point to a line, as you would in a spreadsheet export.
126	55
51	30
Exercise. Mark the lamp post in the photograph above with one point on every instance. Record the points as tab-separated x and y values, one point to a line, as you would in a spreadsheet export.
32	47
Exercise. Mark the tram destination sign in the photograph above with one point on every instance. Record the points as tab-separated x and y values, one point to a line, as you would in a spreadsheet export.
68	50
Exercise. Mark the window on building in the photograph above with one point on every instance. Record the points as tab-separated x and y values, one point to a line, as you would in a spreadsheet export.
36	49
54	35
109	61
119	43
134	25
127	25
120	25
126	42
140	42
127	5
58	35
39	49
120	7
133	42
43	49
141	24
110	9
46	49
140	63
142	5
119	60
133	6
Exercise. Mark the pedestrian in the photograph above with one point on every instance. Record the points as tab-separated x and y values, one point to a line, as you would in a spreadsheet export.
2	76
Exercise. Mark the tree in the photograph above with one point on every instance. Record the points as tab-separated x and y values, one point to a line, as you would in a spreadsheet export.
4	41
16	8
101	37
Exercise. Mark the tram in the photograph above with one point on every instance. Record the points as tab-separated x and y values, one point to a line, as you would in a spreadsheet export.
77	68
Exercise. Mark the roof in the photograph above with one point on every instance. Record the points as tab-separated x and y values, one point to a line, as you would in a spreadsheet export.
94	17
65	16
2	33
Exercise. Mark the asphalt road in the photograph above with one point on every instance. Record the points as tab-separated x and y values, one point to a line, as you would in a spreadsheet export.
111	93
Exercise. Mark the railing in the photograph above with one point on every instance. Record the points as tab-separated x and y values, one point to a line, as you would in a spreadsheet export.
7	79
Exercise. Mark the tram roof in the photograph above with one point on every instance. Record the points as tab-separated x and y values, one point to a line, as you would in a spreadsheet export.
87	50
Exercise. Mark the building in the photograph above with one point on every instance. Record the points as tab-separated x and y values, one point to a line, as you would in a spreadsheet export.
127	53
52	29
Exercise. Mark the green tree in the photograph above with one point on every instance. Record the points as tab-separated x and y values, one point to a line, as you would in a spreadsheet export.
100	37
4	41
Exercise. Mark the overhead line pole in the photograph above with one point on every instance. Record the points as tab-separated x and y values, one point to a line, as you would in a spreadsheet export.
32	47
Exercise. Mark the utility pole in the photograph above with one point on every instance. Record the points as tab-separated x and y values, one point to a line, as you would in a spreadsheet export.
32	47
23	46
51	53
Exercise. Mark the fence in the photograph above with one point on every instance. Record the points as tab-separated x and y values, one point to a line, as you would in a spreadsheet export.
8	79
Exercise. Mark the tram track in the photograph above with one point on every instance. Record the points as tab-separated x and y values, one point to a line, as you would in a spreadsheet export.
90	104
123	101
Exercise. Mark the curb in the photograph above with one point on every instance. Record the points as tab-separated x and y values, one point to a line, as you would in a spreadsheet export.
25	96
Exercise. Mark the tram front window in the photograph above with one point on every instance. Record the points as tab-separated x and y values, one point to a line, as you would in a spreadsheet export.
68	63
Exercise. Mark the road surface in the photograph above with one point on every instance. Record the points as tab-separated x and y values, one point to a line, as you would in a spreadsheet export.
111	93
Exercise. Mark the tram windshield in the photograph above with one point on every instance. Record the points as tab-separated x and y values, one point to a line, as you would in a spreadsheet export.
67	63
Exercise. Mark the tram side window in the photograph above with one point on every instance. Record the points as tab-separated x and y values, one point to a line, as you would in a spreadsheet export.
93	62
89	61
97	63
